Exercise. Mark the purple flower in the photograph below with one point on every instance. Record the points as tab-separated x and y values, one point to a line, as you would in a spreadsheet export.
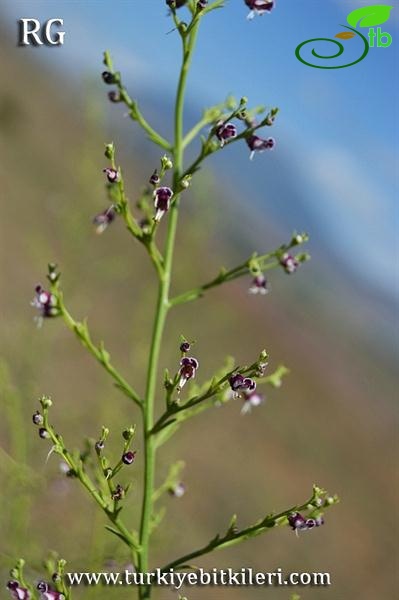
188	369
240	384
259	285
257	144
178	490
128	457
289	263
299	523
46	303
162	198
43	433
104	219
225	131
112	174
251	400
201	4
259	7
18	592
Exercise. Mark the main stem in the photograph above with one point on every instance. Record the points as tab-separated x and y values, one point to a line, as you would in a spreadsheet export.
160	318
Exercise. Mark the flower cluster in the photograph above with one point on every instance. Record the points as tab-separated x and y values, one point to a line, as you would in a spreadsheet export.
240	384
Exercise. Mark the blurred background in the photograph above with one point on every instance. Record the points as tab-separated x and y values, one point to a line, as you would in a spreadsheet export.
333	324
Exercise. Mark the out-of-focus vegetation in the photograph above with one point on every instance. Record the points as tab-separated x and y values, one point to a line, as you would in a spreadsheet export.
332	421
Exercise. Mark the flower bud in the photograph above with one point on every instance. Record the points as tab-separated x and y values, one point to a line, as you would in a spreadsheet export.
43	433
113	175
108	77
37	418
128	458
114	96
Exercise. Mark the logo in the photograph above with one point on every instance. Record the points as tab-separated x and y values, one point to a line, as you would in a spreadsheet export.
366	17
31	32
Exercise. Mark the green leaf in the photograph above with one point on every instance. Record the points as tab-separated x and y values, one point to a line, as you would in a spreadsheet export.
369	16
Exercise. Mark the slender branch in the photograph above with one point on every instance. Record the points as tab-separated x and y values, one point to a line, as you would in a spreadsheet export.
77	469
215	388
100	354
262	263
134	111
318	502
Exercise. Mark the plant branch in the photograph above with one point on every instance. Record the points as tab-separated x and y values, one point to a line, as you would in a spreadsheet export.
100	354
134	111
261	263
234	536
77	469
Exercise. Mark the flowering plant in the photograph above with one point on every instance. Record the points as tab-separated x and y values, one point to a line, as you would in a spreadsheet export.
227	123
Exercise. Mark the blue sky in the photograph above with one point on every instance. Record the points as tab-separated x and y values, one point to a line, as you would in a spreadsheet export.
338	129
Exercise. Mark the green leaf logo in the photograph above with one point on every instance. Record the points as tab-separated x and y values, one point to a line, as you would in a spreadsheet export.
369	16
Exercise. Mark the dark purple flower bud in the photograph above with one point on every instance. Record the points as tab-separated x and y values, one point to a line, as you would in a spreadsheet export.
56	578
46	303
201	4
259	285
162	198
108	78
118	493
112	174
104	219
37	418
239	383
99	446
185	347
178	490
188	369
251	400
43	433
225	131
128	457
289	263
17	591
114	96
42	586
259	7
257	144
155	179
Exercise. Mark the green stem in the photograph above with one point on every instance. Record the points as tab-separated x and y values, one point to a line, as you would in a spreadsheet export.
161	314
